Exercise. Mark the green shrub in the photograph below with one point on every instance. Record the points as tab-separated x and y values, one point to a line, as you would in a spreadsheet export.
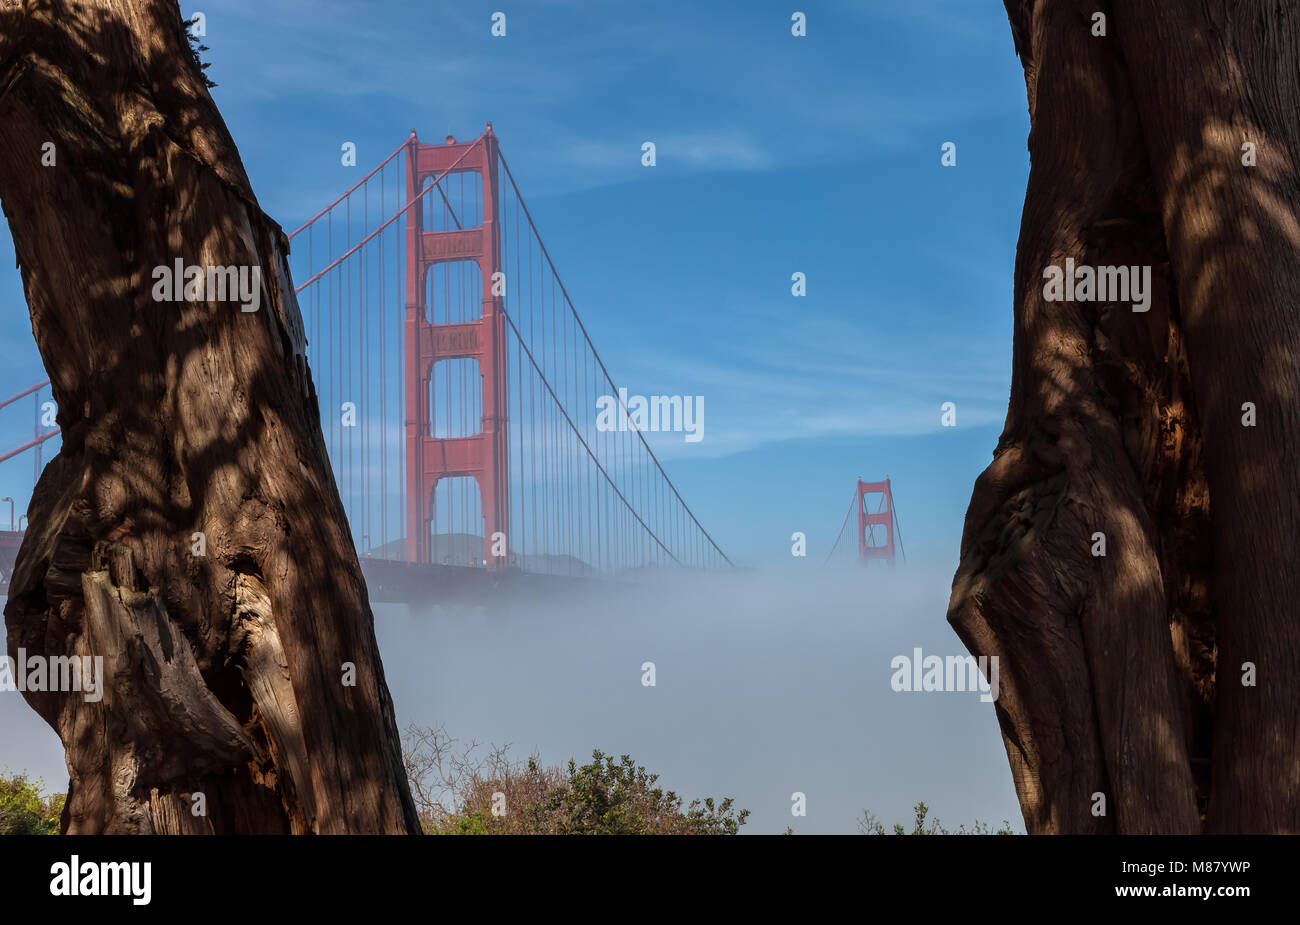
869	825
24	807
456	793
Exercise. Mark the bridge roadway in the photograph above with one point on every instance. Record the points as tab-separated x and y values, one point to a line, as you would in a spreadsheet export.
393	582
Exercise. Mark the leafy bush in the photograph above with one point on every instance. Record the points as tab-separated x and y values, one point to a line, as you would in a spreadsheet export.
458	793
24	807
869	825
605	797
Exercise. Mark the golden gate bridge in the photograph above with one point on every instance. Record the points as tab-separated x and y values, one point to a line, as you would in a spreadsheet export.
477	454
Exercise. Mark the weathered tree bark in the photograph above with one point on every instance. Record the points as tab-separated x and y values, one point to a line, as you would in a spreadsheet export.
1123	675
224	669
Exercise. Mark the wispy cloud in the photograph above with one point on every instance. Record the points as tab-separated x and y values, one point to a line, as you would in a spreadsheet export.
584	87
707	151
821	376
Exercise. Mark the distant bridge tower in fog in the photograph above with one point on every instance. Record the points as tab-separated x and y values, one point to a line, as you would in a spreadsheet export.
873	543
878	533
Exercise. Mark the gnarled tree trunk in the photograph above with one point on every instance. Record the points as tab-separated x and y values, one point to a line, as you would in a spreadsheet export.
225	669
1125	676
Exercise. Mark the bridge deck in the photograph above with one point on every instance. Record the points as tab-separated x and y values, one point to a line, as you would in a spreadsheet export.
394	582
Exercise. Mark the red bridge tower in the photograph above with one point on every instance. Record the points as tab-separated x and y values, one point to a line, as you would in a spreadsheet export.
482	455
883	516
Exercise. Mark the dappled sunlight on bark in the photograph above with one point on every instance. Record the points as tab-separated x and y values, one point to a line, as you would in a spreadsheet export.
1130	424
179	417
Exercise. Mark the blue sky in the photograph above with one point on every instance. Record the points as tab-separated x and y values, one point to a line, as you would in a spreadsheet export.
775	154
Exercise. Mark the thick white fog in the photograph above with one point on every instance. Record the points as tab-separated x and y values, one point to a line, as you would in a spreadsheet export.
767	683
